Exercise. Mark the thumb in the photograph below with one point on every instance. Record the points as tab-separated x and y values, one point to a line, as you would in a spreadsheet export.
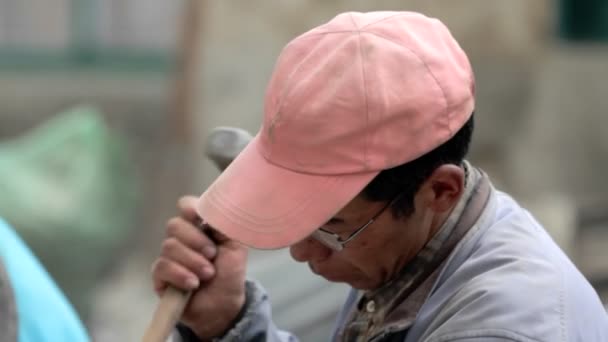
221	239
232	257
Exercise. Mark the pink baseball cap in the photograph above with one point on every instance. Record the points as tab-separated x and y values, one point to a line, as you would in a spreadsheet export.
360	94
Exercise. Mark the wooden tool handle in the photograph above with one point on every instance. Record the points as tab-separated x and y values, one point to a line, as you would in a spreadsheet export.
225	143
167	314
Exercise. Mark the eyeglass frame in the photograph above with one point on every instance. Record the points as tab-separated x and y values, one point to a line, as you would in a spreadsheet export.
334	242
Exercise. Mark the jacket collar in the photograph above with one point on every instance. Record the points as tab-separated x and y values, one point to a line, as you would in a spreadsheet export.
395	305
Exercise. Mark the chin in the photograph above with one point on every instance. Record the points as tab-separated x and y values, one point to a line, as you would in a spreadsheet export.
358	283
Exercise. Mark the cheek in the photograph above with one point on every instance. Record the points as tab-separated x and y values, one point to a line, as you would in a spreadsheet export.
364	244
368	246
359	259
356	267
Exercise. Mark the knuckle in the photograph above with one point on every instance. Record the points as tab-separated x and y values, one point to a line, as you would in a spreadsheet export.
185	202
200	262
170	246
173	225
159	267
182	201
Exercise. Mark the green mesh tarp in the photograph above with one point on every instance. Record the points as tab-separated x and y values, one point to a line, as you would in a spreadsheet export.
68	188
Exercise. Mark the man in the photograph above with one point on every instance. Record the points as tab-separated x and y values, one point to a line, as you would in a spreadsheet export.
32	308
359	168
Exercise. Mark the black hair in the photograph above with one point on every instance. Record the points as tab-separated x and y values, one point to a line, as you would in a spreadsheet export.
405	180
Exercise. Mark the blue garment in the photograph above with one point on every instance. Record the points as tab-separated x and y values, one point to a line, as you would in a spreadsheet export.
44	314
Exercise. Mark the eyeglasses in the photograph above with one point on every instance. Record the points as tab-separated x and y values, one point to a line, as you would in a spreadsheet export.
335	242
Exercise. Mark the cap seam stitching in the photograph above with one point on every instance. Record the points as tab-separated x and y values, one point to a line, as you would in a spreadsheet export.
363	75
383	19
285	93
310	35
319	174
428	69
228	214
231	207
354	22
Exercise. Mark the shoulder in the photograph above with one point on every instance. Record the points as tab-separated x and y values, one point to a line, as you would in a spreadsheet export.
521	296
514	279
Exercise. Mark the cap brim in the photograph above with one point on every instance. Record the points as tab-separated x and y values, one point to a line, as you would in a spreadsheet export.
265	206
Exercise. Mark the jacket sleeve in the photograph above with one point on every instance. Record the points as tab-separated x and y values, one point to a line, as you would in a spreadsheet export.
487	335
485	339
255	323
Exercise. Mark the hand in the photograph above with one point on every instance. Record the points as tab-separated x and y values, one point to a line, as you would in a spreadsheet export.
214	271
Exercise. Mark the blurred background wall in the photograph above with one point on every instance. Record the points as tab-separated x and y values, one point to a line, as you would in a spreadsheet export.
163	74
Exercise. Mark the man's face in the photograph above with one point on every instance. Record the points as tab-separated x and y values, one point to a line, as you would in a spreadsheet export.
375	255
389	243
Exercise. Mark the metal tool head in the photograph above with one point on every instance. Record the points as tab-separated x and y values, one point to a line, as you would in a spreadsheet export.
225	143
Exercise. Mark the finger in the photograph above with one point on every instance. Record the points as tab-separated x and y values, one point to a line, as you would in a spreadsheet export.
176	251
191	236
166	272
214	234
221	239
187	208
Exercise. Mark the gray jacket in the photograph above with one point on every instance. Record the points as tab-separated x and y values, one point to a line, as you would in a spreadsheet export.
506	280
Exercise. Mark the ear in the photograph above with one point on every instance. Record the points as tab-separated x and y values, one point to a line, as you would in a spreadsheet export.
443	188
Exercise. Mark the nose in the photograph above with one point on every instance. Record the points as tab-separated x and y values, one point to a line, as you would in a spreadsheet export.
309	250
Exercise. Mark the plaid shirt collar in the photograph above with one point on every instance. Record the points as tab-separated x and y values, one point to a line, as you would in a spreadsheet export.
373	314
